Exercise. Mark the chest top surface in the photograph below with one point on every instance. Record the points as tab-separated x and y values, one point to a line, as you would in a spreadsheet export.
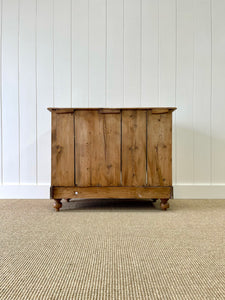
71	109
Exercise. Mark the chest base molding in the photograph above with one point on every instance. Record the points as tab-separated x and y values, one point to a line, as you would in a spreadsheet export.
111	192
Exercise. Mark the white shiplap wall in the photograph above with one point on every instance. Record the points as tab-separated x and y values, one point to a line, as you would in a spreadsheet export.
110	53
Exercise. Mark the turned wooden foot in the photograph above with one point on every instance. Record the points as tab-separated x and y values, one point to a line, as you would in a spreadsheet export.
164	204
57	204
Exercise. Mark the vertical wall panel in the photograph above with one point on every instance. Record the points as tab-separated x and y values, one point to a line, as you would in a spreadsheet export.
62	53
44	87
114	48
202	91
132	52
184	95
150	53
10	109
80	33
0	91
97	52
167	52
218	91
27	90
112	53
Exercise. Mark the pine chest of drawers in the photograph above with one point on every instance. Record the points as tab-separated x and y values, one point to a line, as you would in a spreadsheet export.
123	153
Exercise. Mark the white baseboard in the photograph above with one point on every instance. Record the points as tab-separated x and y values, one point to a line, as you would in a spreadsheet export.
42	191
215	191
25	191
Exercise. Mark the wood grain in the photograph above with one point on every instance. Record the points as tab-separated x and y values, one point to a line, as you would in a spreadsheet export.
133	148
112	192
159	149
160	110
53	149
97	148
63	149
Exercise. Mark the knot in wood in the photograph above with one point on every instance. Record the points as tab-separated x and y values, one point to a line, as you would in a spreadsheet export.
58	148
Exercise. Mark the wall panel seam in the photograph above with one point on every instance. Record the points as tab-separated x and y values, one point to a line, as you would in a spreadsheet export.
1	99
36	93
71	53
88	53
19	146
211	91
141	39
106	49
123	53
53	52
193	93
158	4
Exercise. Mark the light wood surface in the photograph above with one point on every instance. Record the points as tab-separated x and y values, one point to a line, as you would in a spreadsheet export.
133	147
111	192
63	149
155	109
112	153
97	148
159	168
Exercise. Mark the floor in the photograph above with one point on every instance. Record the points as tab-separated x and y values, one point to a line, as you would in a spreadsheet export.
110	249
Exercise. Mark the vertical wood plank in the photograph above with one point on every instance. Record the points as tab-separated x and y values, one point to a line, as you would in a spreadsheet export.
114	48
97	148
159	149
53	149
44	88
80	34
185	88
218	91
132	41
167	52
27	90
10	107
110	132
83	154
97	52
62	53
133	148
202	92
150	53
63	149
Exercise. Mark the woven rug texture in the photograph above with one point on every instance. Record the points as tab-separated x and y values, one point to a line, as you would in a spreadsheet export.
110	249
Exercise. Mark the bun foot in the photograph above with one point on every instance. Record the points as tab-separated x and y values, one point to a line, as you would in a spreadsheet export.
164	204
57	205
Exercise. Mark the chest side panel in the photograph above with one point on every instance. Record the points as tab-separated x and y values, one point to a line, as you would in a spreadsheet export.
159	149
62	149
